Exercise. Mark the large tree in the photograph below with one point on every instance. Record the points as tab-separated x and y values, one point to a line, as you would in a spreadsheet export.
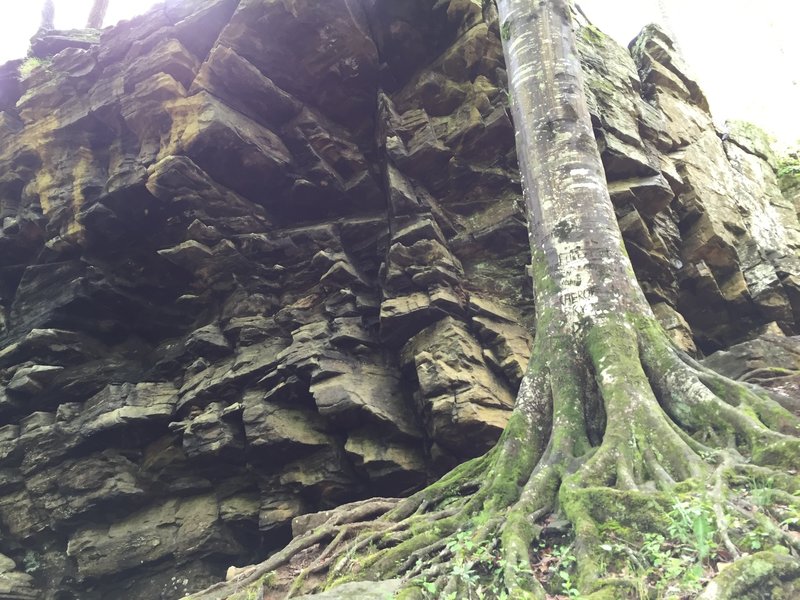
48	15
97	14
615	432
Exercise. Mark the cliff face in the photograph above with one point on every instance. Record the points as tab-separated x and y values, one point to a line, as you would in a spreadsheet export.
261	257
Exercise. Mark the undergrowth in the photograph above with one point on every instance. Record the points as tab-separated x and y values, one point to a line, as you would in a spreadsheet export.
674	563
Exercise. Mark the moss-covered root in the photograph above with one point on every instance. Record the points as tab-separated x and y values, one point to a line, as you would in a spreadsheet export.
609	423
718	411
486	535
762	575
664	426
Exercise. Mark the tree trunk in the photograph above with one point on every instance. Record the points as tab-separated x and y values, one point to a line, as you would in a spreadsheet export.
48	16
584	276
98	14
625	402
614	430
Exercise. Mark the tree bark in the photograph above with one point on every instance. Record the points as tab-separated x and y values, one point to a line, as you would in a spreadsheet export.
48	16
575	240
97	14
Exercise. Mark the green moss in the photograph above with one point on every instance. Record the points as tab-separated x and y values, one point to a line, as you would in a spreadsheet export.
617	589
255	591
411	592
505	31
514	465
755	405
784	454
614	529
750	577
592	34
450	484
620	509
543	284
789	174
602	513
612	344
384	563
568	383
520	525
688	487
32	63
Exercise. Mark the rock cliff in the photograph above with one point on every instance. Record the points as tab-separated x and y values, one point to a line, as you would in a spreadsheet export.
262	257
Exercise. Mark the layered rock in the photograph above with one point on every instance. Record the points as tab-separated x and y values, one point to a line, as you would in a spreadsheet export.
262	257
707	228
770	361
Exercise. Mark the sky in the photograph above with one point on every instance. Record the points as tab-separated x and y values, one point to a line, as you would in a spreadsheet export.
19	19
745	54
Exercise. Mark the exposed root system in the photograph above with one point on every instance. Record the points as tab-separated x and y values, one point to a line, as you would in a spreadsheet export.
640	456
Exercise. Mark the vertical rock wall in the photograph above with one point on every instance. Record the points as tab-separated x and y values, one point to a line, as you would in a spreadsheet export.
261	257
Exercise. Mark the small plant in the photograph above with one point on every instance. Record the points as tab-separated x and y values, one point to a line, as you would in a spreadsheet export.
761	492
673	562
789	164
478	567
505	31
756	540
31	64
564	569
791	518
669	566
692	524
31	562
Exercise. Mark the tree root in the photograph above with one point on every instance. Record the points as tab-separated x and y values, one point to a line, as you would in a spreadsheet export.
762	575
678	439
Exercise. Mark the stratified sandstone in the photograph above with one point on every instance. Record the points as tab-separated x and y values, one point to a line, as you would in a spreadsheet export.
262	257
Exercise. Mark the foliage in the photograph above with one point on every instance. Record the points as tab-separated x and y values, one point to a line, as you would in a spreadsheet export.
692	525
679	561
672	562
788	172
505	31
32	63
789	165
675	562
478	567
566	562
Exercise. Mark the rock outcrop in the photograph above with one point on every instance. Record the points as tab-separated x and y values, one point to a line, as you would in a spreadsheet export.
262	257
